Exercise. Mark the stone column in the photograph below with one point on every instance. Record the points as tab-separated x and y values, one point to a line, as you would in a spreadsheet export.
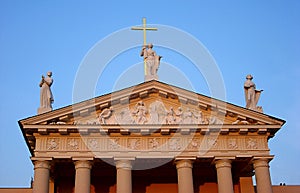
185	176
262	176
83	176
41	177
124	181
224	175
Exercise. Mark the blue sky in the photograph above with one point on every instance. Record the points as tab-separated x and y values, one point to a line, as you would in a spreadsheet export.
257	37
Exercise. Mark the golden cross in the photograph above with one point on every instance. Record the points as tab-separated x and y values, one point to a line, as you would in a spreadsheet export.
144	28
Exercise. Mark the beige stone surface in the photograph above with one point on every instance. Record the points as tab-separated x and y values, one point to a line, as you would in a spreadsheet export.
185	176
41	176
142	125
251	94
262	176
124	177
83	176
46	97
224	176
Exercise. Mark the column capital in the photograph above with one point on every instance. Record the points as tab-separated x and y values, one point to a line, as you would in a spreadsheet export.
41	176
42	164
184	163
124	164
124	181
82	176
223	163
41	158
224	175
260	163
262	175
83	164
185	175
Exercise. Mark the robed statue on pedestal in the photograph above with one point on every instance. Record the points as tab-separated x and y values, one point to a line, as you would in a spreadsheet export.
46	97
152	62
251	94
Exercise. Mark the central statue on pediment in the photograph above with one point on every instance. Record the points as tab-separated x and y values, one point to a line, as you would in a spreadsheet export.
152	62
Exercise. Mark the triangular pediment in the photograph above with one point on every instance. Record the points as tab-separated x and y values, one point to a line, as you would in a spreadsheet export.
152	102
150	107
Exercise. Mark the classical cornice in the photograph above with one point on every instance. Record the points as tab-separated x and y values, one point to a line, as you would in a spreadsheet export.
236	120
141	91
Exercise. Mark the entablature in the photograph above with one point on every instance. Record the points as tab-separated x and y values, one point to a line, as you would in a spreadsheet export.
146	109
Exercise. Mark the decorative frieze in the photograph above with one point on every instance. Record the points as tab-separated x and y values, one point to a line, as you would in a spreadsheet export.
251	143
93	144
232	143
114	144
73	144
212	142
134	143
194	144
138	145
154	143
175	144
52	144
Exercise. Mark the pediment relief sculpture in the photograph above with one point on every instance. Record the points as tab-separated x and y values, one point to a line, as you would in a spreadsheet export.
154	113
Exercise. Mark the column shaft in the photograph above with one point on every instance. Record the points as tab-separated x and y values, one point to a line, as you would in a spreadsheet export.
185	176
124	181
224	175
262	176
41	177
83	176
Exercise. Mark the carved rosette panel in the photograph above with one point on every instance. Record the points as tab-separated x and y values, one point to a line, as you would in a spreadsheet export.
212	142
232	143
194	144
175	144
73	144
251	143
114	144
52	144
134	144
93	144
154	143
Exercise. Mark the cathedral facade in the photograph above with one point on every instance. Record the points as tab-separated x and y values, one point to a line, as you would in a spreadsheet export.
151	137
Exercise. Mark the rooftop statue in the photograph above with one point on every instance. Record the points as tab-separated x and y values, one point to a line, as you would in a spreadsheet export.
251	94
46	97
152	62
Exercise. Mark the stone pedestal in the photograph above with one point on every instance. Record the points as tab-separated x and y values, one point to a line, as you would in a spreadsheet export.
83	176
41	177
124	181
262	176
42	110
185	176
150	77
224	175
